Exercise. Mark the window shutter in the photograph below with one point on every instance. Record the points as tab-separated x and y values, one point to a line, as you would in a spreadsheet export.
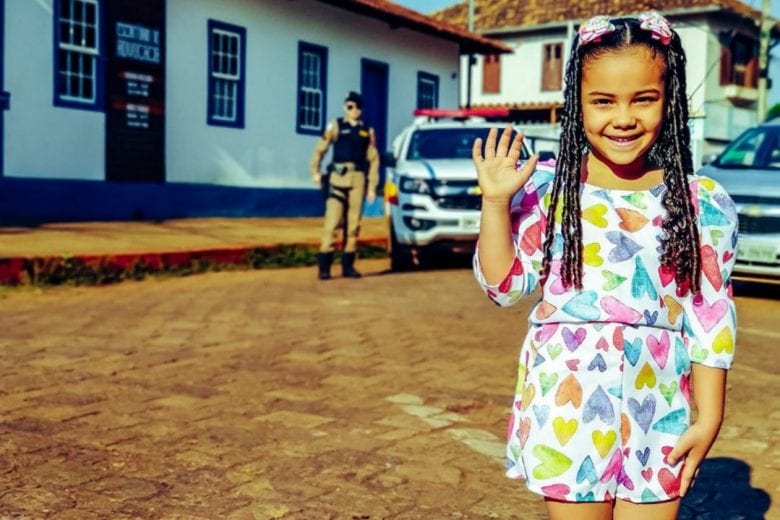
491	74
552	66
751	73
726	72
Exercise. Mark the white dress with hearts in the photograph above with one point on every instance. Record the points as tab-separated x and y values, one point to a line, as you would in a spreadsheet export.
603	382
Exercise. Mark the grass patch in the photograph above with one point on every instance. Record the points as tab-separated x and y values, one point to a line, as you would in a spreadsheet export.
109	270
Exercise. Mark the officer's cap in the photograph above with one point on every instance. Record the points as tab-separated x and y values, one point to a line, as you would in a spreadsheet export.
355	98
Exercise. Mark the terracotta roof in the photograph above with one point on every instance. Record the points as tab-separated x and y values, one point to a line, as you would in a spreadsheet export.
521	105
501	14
398	16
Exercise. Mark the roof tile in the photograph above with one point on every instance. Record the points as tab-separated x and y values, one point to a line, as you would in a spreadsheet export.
498	14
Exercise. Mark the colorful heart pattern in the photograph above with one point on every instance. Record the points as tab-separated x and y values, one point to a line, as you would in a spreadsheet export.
605	370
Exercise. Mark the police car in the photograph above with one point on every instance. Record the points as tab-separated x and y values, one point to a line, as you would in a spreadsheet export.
431	188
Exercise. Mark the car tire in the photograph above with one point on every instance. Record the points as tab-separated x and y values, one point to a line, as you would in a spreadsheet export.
401	258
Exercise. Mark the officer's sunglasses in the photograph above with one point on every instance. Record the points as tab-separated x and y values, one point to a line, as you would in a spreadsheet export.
352	106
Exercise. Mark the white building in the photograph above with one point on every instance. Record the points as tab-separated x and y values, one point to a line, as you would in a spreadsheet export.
720	38
153	109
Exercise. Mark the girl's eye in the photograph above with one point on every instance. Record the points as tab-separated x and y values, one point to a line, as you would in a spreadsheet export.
601	101
645	100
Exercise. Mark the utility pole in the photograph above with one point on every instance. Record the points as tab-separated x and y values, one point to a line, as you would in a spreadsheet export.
763	60
470	57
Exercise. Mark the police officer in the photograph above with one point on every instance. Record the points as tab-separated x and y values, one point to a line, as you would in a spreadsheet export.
353	175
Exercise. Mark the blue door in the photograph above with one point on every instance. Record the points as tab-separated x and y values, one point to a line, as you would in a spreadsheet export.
373	88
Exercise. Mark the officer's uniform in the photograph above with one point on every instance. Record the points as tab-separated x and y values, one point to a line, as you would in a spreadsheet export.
353	154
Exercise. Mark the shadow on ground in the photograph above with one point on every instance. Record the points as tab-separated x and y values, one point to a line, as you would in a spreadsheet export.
722	491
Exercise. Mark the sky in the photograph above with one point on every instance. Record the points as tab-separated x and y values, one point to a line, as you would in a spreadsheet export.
429	6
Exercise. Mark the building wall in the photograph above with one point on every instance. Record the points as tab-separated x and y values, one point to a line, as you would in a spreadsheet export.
724	120
42	140
269	152
250	169
521	71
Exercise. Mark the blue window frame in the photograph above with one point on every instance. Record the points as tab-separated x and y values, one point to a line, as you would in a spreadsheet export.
78	49
312	88
427	90
227	74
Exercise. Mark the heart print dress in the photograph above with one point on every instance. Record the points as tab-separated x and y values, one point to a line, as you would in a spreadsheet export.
603	387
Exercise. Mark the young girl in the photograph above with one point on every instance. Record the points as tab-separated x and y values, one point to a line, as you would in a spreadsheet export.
633	254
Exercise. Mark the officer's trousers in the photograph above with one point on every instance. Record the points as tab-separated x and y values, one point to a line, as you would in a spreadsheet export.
344	205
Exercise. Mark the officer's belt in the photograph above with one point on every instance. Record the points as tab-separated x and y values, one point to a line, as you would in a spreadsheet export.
343	167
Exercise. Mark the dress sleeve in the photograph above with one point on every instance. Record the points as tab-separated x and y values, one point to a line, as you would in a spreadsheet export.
529	223
709	317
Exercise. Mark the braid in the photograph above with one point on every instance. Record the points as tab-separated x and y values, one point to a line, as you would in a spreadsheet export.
567	179
680	246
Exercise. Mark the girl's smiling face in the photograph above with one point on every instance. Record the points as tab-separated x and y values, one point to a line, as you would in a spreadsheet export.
622	107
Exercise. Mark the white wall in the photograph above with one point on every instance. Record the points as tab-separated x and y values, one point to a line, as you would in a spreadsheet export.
724	120
42	140
268	152
521	72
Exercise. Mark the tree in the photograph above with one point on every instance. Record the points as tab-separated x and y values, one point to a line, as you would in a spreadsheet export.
773	112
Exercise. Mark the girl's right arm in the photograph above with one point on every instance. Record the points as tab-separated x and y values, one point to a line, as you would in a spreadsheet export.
496	251
499	180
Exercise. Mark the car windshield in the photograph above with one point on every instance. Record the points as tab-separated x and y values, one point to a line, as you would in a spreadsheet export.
757	148
445	143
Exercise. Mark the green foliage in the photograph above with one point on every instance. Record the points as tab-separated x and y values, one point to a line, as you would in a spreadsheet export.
773	112
108	270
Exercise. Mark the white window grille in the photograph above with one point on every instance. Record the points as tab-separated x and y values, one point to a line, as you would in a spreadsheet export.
427	92
225	74
78	49
311	93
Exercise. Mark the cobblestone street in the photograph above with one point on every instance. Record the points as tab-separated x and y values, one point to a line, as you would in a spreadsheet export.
269	395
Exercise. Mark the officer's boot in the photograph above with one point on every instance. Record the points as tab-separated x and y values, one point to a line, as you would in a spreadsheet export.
324	260
348	266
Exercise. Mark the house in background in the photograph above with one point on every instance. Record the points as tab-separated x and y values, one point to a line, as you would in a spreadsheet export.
720	38
154	109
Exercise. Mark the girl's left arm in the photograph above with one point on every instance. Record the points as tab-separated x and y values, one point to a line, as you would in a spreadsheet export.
709	326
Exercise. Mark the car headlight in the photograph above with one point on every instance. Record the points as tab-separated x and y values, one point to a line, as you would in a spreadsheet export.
420	186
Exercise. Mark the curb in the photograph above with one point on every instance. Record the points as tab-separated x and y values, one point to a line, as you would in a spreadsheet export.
102	269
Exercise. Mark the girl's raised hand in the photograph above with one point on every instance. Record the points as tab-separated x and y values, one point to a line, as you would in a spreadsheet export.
499	178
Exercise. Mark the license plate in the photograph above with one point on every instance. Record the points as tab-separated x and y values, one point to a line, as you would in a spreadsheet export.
757	252
469	223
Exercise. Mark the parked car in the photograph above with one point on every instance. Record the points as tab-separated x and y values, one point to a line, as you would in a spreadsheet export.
749	170
431	188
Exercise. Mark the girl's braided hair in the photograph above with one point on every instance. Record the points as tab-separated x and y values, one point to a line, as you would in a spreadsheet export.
680	244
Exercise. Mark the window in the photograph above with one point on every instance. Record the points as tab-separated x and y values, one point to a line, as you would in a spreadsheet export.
552	66
227	49
312	80
757	148
491	74
427	90
739	62
77	70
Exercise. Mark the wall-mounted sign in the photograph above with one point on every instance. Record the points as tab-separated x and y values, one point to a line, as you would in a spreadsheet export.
136	42
135	90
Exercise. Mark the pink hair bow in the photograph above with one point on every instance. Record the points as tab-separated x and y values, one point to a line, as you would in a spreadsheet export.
595	28
658	25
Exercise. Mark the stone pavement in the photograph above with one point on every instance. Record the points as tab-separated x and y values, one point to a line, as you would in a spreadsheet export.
269	395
